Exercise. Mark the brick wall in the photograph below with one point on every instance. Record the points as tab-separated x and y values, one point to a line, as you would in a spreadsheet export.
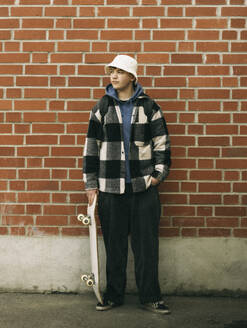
192	56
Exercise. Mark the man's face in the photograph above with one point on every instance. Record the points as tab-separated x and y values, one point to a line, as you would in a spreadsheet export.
120	79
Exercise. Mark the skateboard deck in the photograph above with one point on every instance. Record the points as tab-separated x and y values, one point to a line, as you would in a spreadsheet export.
92	279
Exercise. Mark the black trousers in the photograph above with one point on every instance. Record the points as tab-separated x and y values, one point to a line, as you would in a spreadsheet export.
137	215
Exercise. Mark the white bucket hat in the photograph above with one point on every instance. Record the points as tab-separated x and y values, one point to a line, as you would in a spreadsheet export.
124	62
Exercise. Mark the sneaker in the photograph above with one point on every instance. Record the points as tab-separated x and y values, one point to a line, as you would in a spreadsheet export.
107	305
157	307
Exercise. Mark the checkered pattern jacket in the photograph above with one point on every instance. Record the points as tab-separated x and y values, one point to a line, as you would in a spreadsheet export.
104	156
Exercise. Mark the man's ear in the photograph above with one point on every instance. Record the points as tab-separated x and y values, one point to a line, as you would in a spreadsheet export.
132	77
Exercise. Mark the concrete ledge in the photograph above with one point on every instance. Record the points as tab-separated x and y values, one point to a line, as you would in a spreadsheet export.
203	266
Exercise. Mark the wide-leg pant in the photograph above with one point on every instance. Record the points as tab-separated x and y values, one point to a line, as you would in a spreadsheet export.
137	215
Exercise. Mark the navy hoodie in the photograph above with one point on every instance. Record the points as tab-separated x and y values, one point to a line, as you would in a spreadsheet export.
126	108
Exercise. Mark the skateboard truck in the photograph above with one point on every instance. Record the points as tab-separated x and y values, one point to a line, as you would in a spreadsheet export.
85	219
89	279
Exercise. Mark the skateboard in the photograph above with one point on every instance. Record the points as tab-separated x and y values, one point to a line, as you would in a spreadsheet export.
92	279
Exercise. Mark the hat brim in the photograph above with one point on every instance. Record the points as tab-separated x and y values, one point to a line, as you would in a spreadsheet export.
107	70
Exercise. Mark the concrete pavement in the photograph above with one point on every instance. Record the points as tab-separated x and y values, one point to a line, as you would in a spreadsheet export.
78	310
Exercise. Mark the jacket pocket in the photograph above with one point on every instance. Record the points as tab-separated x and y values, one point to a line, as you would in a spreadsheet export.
144	150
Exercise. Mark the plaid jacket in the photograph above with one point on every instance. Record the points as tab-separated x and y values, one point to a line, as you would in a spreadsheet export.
104	156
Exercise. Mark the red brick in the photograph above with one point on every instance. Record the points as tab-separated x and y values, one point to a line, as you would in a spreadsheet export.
34	2
179	70
60	162
150	23
123	23
235	59
186	46
187	58
212	46
230	211
87	2
82	35
14	58
241	233
12	209
204	105
203	35
116	35
234	11
40	93
189	232
113	11
175	23
97	58
203	152
41	69
66	151
52	220
123	2
60	11
20	11
170	82
39	117
142	35
188	221
179	210
176	2
213	94
7	197
59	210
33	151
10	140
213	59
175	11
237	23
238	47
30	35
218	187
22	128
239	94
204	82
211	23
74	93
214	232
214	118
213	141
148	11
33	197
231	164
42	185
200	11
122	46
209	2
168	35
159	46
81	81
41	139
240	187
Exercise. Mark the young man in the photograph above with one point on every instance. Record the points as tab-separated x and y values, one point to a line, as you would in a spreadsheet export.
126	156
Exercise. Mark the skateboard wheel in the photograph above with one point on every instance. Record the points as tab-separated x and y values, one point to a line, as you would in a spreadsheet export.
84	277
86	220
90	282
80	217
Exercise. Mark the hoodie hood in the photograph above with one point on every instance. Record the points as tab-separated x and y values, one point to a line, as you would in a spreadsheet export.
110	91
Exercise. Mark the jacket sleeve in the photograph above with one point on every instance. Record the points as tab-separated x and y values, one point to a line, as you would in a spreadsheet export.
161	144
91	150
